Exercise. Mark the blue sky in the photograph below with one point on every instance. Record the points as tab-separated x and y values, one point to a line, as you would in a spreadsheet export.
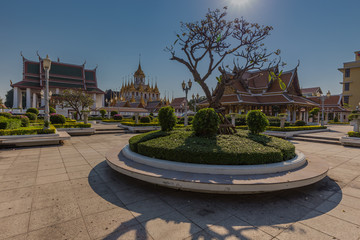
321	34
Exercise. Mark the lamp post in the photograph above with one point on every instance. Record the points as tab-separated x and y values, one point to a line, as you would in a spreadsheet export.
47	66
322	98
196	99
186	88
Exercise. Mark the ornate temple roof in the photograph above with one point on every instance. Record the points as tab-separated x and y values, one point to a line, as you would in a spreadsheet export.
139	72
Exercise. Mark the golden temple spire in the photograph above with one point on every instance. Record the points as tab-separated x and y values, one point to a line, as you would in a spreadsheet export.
142	100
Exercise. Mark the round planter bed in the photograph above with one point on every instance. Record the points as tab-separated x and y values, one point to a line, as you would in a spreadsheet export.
298	161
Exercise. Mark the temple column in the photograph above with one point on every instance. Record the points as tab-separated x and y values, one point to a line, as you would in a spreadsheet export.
306	116
102	100
294	116
318	117
28	98
16	97
288	115
20	99
42	102
34	100
341	117
94	98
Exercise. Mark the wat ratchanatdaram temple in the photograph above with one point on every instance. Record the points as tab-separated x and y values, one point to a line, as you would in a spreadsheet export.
136	93
61	76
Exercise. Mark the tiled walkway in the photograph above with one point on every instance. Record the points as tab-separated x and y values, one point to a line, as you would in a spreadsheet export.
69	192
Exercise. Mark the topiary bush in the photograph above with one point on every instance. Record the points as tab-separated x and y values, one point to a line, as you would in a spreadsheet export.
33	110
25	122
31	115
206	122
300	123
353	116
57	118
167	118
256	121
4	114
9	123
113	113
52	110
118	117
145	120
103	113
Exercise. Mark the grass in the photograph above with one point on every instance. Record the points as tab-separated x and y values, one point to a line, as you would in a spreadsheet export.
242	148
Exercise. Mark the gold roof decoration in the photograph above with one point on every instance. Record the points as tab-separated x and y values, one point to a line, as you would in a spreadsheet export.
139	72
156	90
131	87
148	89
150	99
142	100
132	98
140	88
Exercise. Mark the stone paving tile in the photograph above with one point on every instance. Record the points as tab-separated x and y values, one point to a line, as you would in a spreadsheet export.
14	225
49	172
51	199
234	228
340	211
15	207
113	220
331	225
300	231
171	226
52	178
19	183
16	194
53	215
98	204
137	232
74	229
143	212
346	200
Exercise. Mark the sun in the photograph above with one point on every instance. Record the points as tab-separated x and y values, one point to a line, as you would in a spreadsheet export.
239	3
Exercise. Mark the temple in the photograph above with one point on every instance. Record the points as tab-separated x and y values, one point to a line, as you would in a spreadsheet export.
61	76
255	91
136	93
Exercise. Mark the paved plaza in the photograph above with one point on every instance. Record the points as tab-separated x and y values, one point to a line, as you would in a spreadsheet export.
69	192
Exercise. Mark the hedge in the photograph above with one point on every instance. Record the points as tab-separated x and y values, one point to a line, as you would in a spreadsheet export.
287	129
185	146
134	141
27	131
76	125
132	124
9	123
354	134
338	123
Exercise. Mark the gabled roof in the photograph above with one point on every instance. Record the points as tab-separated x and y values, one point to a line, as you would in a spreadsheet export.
177	102
311	90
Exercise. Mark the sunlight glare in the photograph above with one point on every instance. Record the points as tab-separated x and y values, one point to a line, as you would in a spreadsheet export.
239	3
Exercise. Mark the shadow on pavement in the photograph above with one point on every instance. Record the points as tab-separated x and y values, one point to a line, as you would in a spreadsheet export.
274	211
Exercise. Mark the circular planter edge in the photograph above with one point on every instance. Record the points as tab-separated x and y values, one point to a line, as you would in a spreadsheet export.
298	161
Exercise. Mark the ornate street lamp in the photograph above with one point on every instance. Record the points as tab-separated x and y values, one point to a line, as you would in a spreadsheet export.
47	66
186	89
196	99
322	98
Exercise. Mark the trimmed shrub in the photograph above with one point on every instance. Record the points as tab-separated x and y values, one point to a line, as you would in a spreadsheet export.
256	121
184	146
4	114
25	122
151	114
353	134
33	110
27	131
113	113
52	110
167	118
274	121
182	120
117	117
300	123
31	115
354	116
74	125
103	113
145	120
206	122
9	123
57	119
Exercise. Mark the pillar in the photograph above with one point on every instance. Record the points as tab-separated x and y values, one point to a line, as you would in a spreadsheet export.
42	102
20	99
28	98
306	115
318	117
102	100
34	99
288	115
341	117
16	97
94	98
294	116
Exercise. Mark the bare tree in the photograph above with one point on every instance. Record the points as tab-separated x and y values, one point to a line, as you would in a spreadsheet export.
77	99
212	40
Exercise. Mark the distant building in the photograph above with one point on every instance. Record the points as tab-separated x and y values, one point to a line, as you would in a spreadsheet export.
351	82
333	107
62	76
179	106
255	91
308	92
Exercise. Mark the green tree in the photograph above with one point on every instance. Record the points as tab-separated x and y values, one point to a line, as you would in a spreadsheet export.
76	99
9	98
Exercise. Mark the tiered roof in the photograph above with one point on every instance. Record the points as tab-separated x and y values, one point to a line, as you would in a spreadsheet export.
61	75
